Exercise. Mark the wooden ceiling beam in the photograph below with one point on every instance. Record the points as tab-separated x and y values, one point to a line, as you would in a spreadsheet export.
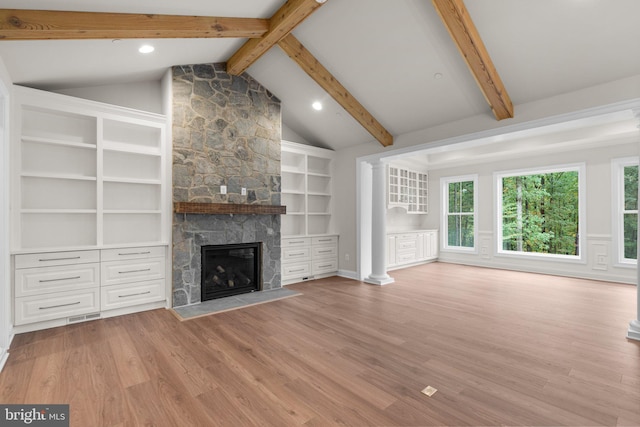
292	13
456	18
296	51
18	24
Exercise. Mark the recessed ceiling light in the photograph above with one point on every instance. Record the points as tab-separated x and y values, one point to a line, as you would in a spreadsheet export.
437	76
147	48
317	106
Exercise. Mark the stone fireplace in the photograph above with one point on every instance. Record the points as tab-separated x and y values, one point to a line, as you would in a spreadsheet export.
226	132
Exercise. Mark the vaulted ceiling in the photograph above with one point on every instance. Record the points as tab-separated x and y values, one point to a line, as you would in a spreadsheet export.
392	67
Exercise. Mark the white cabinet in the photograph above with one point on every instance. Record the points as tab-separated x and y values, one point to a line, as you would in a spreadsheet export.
408	189
63	286
54	285
411	248
307	258
86	174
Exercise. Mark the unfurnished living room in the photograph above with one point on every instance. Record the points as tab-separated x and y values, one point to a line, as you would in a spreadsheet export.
319	213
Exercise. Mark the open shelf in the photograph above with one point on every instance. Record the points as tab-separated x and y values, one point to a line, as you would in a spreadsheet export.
49	230
124	228
47	193
57	159
58	125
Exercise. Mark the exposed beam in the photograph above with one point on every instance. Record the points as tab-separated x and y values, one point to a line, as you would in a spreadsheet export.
18	24
329	83
292	13
456	18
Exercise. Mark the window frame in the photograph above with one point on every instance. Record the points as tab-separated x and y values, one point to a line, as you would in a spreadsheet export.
444	223
582	210
618	211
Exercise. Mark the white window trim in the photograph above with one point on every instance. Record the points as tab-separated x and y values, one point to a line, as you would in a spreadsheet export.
444	192
617	209
582	207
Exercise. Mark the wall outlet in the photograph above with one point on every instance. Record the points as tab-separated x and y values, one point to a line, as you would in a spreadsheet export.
346	257
223	189
243	191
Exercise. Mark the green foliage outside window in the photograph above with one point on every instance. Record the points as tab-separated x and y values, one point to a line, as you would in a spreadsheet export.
540	213
460	216
630	213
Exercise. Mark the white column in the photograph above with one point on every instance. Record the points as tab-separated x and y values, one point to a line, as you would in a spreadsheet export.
634	326
379	274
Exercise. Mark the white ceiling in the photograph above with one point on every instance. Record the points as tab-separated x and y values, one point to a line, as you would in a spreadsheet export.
385	52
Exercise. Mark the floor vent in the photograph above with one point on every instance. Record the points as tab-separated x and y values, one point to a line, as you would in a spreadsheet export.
84	318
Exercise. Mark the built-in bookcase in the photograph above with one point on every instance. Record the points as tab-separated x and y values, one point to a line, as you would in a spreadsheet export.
86	174
306	190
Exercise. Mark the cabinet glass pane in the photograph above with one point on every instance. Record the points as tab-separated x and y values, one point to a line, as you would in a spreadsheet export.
59	126
58	230
120	165
131	228
47	193
48	159
132	134
127	196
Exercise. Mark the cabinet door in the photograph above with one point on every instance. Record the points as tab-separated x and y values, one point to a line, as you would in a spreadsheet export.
391	251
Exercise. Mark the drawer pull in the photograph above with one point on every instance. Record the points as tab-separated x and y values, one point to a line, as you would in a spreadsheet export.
58	259
134	295
297	254
57	280
57	306
296	241
328	251
325	266
134	271
134	253
324	240
298	270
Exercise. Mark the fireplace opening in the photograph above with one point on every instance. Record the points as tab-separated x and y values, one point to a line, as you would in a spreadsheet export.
231	270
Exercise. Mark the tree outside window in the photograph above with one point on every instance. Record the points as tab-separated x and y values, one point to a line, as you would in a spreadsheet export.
540	212
460	201
630	212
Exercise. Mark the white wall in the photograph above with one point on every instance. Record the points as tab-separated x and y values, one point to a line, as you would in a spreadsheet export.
598	242
525	115
145	96
5	280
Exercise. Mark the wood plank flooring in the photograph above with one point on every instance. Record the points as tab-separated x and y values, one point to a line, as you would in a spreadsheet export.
502	348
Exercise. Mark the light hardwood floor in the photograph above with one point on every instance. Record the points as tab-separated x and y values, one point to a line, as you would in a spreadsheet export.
502	348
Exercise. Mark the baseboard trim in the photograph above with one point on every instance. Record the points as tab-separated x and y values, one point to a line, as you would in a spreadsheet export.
4	356
348	274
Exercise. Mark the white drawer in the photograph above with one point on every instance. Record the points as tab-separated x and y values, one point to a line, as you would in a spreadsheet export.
325	240
324	252
48	259
296	242
132	253
131	294
45	280
296	254
325	266
403	258
406	244
55	306
118	272
296	270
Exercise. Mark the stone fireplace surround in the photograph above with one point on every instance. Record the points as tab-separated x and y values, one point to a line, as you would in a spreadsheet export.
226	131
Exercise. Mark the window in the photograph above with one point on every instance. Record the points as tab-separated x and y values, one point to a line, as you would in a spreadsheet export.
459	212
540	212
625	205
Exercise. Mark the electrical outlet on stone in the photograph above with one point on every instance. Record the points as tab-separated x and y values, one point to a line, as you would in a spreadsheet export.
243	191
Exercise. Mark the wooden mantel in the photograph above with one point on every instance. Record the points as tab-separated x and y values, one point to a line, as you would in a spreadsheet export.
228	208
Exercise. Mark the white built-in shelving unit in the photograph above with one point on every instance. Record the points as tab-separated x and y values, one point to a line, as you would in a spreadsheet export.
87	177
309	241
408	189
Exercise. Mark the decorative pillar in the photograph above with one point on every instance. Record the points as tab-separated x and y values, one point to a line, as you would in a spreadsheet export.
379	274
634	326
